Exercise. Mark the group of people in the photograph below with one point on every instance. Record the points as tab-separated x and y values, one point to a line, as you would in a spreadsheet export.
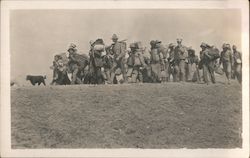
115	64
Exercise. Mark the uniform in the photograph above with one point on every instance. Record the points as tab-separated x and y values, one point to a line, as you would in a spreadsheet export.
107	65
73	65
135	64
180	55
118	50
164	63
193	72
237	64
171	70
226	61
156	59
208	65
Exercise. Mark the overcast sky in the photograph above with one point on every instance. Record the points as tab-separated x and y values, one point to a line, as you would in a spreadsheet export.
37	35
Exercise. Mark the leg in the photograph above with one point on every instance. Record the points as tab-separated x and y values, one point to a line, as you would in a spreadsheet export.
182	70
176	73
238	72
44	83
211	71
123	69
74	76
205	71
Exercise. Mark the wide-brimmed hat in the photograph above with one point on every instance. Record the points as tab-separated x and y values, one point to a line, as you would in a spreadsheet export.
114	36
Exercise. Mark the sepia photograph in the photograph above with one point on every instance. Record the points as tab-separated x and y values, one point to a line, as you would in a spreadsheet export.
121	78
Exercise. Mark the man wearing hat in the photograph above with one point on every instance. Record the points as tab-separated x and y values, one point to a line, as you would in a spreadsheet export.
193	60
226	60
207	64
171	62
156	60
180	56
118	49
237	63
134	64
73	64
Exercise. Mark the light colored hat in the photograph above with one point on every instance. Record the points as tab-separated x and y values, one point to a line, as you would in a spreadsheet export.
179	40
228	45
91	42
72	45
114	36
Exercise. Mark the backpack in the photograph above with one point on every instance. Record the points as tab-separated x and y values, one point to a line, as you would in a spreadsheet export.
155	57
214	52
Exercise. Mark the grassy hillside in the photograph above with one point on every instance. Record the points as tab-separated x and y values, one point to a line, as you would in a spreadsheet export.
172	115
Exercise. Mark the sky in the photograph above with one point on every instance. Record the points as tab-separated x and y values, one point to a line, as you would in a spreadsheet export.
37	35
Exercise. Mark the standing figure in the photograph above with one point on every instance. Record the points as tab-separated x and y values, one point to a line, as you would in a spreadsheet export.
171	62
107	65
73	64
226	61
96	61
237	64
156	60
207	62
193	72
118	49
180	57
135	63
163	51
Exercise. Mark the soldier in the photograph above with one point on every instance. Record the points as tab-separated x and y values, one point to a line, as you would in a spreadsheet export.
193	60
207	63
163	51
118	49
107	65
180	60
135	63
171	63
226	60
156	61
73	64
237	63
96	61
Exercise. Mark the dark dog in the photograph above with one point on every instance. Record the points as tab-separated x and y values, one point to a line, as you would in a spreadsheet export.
36	79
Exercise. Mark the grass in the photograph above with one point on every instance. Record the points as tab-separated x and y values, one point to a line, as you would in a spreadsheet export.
172	115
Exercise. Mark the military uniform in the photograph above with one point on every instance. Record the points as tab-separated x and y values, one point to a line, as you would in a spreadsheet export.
180	56
73	64
192	72
207	64
171	62
156	60
135	64
226	60
163	51
237	64
107	65
118	50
